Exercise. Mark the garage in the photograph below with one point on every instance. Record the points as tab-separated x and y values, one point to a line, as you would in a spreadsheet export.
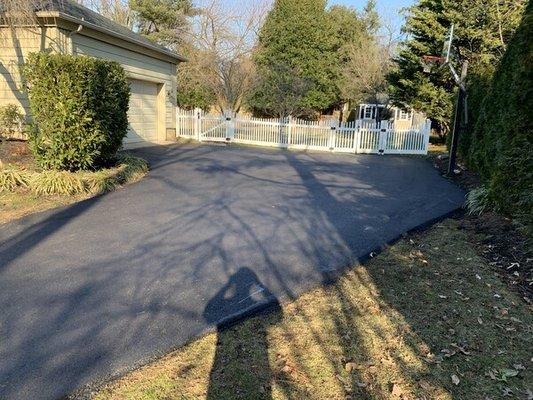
143	112
70	28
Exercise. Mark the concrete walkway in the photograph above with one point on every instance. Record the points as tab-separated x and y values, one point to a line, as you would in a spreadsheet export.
95	288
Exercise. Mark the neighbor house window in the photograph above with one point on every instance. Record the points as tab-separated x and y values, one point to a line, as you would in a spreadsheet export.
404	115
367	111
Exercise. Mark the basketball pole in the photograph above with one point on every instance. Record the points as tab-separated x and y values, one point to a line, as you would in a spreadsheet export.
459	109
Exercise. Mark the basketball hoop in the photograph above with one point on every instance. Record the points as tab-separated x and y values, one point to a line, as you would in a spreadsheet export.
430	62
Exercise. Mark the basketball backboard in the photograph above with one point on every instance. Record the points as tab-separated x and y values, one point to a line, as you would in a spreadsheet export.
447	48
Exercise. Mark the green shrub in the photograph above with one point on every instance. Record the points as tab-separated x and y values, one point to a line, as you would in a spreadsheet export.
502	144
79	106
12	178
131	168
127	169
11	119
478	201
56	182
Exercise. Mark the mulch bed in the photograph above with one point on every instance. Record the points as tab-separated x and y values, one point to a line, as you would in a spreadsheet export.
16	152
496	237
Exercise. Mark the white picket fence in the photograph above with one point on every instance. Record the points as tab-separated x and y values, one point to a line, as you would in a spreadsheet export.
350	137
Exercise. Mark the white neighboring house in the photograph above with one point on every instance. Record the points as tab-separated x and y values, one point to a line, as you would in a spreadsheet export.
402	118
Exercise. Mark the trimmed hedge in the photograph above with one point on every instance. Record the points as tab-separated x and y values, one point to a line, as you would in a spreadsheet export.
500	147
79	107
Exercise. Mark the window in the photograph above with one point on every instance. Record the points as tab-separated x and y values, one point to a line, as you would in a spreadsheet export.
368	111
403	115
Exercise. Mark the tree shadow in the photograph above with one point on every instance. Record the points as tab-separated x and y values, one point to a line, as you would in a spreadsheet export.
106	299
241	368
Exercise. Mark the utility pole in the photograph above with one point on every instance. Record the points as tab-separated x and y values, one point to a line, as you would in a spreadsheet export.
459	109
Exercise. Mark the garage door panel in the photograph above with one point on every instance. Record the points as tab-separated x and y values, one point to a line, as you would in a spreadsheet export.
142	115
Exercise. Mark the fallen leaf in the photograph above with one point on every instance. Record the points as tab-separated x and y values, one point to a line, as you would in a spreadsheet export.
351	366
396	390
508	373
461	349
448	353
455	379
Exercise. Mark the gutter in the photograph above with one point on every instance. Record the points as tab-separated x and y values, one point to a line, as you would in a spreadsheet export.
81	22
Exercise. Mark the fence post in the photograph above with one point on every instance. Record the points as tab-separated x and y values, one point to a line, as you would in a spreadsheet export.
230	125
357	136
197	123
333	135
382	137
427	132
178	122
289	130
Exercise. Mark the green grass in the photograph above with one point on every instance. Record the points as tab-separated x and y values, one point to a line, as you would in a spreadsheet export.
426	319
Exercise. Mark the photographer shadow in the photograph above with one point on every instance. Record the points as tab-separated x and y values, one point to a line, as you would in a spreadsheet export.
241	367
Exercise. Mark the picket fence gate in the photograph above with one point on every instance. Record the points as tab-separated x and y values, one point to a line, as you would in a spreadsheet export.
349	137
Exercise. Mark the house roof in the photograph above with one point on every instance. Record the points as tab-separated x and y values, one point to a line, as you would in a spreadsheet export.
74	12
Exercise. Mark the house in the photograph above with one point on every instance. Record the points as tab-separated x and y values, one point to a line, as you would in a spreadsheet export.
67	27
402	118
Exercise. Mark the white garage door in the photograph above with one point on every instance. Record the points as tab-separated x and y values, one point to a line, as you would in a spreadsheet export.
142	115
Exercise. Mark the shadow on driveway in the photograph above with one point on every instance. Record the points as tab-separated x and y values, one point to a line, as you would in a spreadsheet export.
96	288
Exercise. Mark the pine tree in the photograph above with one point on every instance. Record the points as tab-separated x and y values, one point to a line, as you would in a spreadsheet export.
482	30
297	38
163	21
502	148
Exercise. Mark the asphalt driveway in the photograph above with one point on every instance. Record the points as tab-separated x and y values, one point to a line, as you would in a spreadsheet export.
95	288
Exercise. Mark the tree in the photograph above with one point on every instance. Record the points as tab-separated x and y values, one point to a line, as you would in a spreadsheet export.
20	12
220	70
364	71
297	36
364	54
350	32
502	150
483	28
281	91
163	21
116	10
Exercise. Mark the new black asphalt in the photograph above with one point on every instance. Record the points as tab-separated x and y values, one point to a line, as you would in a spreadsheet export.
92	289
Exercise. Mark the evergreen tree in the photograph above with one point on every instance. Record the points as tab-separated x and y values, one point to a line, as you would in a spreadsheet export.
482	30
163	21
297	38
502	149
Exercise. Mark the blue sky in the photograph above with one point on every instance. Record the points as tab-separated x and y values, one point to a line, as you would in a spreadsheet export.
388	9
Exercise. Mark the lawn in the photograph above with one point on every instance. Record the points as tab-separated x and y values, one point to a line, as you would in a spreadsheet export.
428	318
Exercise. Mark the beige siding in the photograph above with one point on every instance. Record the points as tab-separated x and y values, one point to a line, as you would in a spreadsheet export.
14	49
138	66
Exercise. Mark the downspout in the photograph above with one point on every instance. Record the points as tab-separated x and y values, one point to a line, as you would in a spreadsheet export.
70	34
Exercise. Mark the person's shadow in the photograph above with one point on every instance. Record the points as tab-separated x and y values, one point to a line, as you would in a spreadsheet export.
241	368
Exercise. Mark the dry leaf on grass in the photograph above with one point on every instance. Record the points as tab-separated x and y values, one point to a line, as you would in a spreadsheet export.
455	379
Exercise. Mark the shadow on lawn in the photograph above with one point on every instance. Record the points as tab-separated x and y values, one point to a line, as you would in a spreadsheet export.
291	219
241	367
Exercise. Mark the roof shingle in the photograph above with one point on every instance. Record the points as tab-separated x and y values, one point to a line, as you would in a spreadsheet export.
89	16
